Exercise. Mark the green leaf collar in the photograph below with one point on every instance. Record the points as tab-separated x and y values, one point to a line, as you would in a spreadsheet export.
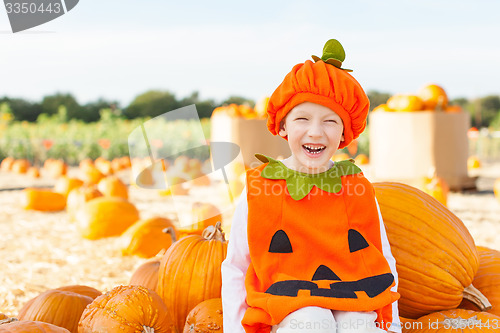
299	184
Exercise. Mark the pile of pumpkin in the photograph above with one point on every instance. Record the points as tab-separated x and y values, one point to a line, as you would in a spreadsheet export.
244	111
430	97
55	168
446	282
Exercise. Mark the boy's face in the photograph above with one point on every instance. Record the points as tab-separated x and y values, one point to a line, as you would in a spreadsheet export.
314	135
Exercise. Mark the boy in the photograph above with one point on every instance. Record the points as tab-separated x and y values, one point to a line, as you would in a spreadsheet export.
308	250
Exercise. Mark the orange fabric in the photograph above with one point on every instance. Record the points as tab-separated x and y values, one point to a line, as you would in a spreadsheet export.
317	227
324	84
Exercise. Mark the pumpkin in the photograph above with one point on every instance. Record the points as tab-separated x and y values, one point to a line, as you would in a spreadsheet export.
405	102
20	166
105	217
29	326
382	107
6	164
436	187
361	159
112	186
3	316
59	307
146	275
260	107
126	309
436	258
33	172
433	97
82	290
145	238
205	317
473	162
454	108
65	184
43	200
340	157
79	196
496	188
86	162
190	272
103	165
91	175
458	320
120	163
487	279
55	168
202	216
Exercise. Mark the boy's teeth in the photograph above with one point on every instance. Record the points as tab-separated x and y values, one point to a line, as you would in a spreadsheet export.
314	150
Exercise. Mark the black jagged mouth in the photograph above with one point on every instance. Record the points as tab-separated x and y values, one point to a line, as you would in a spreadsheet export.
313	150
372	286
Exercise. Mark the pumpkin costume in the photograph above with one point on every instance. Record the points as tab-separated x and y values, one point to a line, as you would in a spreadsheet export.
345	271
301	240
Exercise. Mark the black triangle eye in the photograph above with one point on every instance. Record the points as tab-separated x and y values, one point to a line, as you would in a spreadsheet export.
280	243
356	241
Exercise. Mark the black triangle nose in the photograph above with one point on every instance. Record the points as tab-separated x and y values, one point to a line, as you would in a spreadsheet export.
325	273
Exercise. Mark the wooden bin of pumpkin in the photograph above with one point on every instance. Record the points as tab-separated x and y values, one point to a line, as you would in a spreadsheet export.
412	135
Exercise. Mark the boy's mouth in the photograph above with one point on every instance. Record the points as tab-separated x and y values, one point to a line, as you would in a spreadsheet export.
314	149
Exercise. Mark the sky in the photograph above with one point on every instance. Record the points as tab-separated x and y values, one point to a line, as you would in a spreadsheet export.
118	49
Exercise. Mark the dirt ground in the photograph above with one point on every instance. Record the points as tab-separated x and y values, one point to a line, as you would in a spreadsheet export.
44	250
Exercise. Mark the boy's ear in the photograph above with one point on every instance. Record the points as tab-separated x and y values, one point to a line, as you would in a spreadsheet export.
282	131
342	138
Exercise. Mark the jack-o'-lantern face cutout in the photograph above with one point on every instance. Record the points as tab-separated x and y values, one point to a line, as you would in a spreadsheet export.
371	285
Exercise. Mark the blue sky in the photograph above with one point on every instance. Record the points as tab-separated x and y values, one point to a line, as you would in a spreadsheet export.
117	49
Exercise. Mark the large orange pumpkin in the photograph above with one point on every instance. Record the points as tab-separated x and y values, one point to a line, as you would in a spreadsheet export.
43	200
436	258
190	272
105	217
433	97
29	326
127	309
456	321
145	238
205	317
146	275
487	279
82	290
58	307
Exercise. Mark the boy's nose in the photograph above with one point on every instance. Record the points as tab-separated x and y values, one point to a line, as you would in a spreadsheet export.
314	130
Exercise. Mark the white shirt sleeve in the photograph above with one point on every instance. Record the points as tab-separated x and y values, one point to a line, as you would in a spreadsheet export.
234	269
386	250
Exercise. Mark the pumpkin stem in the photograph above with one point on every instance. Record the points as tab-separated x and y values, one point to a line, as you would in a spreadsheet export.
8	320
170	231
147	329
214	232
477	298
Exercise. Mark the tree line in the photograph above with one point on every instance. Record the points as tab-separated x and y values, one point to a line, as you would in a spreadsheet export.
484	111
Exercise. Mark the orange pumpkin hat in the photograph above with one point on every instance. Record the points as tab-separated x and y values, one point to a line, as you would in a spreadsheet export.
322	82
